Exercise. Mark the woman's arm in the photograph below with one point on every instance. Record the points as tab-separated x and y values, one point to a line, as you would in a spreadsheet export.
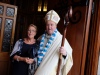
24	59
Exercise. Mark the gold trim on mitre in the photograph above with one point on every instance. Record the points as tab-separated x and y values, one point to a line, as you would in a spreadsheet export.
53	16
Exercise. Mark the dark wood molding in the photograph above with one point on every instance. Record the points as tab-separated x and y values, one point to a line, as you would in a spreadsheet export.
86	35
93	44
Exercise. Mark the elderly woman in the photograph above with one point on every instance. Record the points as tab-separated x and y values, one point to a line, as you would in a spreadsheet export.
24	52
50	47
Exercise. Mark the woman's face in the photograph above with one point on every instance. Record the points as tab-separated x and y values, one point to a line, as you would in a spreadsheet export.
50	27
31	32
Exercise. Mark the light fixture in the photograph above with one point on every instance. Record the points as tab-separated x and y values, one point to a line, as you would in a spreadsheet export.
45	6
40	5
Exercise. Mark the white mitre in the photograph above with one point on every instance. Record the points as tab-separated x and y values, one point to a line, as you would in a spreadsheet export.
53	16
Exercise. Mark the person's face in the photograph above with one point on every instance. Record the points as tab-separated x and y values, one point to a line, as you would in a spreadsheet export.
31	32
50	27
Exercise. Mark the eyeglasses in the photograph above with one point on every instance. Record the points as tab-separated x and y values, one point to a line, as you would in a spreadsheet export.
31	30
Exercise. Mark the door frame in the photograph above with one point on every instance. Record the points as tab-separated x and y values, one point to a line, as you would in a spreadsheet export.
92	57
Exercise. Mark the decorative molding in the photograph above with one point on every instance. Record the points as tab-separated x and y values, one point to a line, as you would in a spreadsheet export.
62	8
76	17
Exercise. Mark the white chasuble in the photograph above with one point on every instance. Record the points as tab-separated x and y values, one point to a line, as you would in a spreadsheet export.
49	63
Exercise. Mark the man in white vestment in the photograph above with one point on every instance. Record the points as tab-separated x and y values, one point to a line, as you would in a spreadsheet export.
50	48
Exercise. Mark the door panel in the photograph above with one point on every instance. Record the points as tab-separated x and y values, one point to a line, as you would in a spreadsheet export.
8	15
77	33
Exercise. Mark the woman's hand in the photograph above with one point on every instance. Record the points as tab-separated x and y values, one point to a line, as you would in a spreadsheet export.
62	50
29	60
25	59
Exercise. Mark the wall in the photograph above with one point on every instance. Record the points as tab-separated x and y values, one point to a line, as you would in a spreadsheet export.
98	72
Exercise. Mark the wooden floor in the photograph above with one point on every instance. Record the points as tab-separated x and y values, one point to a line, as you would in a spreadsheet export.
99	66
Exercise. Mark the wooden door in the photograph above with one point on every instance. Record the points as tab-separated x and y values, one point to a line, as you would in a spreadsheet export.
8	15
77	31
93	50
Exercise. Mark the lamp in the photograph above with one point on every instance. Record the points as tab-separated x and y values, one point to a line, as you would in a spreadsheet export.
45	6
40	5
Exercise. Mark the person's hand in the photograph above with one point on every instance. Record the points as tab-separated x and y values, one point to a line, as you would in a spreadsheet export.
29	60
26	59
62	50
